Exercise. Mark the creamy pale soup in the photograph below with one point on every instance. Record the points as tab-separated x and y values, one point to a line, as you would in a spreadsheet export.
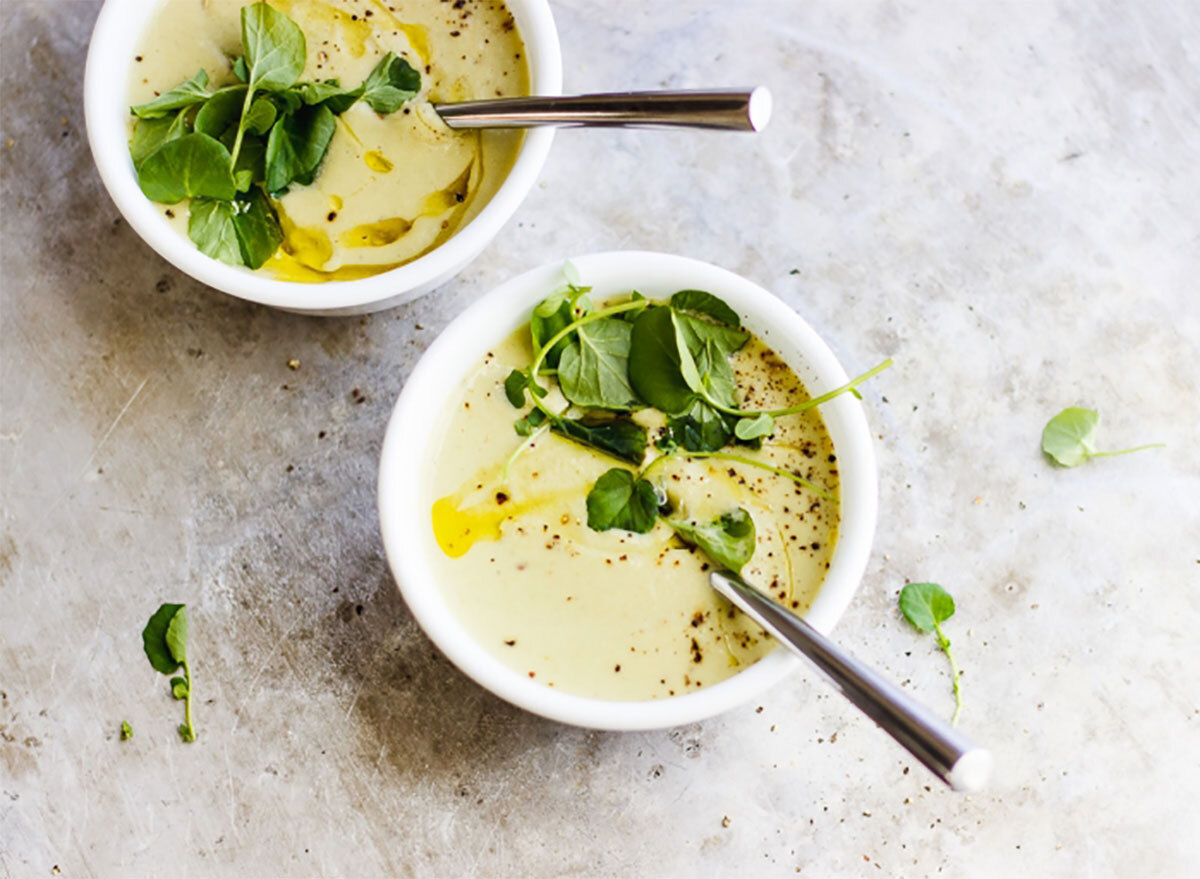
614	614
391	188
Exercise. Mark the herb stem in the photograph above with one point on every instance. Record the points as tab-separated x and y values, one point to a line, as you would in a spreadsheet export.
237	141
944	643
562	334
741	459
807	404
187	703
1127	451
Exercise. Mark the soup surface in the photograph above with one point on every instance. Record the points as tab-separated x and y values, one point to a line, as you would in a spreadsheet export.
614	614
392	187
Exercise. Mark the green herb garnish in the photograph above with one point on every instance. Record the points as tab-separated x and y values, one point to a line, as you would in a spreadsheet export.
927	606
229	149
165	642
126	731
1067	438
636	354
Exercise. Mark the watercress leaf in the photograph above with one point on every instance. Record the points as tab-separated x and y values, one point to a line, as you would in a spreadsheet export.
705	303
514	388
252	158
700	429
571	273
621	437
544	324
154	639
526	426
288	101
150	134
551	304
126	731
221	112
177	633
186	94
390	84
240	70
189	166
1067	437
211	228
593	371
257	228
296	146
658	361
243	180
261	116
729	539
754	428
179	688
186	733
330	93
618	500
274	46
697	333
926	605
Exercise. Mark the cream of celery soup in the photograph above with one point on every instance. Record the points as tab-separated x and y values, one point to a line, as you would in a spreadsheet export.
613	613
391	186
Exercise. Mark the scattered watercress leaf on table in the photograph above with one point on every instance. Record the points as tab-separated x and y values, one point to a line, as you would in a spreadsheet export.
165	641
593	371
618	500
186	94
390	84
211	228
1067	438
656	362
126	731
186	733
705	303
176	635
274	46
754	428
179	688
296	146
194	165
621	437
729	540
154	639
927	606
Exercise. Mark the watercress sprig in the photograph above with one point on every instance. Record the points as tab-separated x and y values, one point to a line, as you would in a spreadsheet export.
233	149
1067	438
927	606
165	641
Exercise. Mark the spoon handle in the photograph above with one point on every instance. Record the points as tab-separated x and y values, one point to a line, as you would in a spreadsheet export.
719	109
949	754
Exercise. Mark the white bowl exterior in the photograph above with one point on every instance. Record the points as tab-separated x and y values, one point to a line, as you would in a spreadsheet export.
106	84
405	496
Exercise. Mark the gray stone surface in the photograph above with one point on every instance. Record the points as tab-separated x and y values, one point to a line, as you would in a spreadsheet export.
1002	196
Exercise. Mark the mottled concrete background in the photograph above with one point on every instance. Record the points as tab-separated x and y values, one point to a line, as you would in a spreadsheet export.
1002	196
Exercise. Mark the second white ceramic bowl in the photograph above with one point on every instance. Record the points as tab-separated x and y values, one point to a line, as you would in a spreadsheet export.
406	495
106	86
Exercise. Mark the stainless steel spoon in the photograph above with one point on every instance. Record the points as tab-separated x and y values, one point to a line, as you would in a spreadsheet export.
949	754
719	109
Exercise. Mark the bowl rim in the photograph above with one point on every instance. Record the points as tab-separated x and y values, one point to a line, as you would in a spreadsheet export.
404	520
106	113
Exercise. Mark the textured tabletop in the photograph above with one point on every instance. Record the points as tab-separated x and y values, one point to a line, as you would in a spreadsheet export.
1002	196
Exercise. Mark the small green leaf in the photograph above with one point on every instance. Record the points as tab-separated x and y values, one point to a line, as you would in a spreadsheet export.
1067	438
126	731
275	48
552	315
261	116
296	146
514	388
729	540
179	688
926	605
240	70
656	362
330	93
705	303
754	428
187	733
211	228
176	636
618	500
621	437
194	165
700	429
186	94
593	371
390	84
571	273
256	227
221	112
527	425
150	134
154	639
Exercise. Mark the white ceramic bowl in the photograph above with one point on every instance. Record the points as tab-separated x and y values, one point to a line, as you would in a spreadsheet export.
406	493
106	86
